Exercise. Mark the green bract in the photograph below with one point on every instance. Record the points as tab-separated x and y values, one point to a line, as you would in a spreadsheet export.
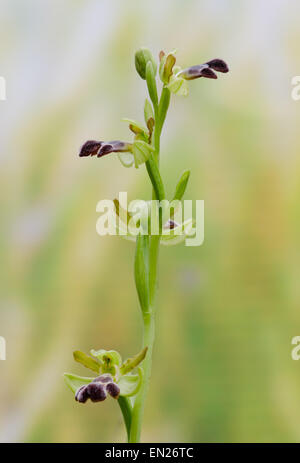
148	111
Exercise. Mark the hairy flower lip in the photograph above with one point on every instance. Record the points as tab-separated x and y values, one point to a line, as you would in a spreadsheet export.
101	148
204	70
97	390
218	65
90	148
81	395
113	389
115	146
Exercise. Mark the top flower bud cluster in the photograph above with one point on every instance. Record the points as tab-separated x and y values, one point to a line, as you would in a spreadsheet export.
171	75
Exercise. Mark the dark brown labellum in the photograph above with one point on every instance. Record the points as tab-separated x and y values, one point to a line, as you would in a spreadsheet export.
96	392
90	148
208	73
113	390
106	148
81	394
218	65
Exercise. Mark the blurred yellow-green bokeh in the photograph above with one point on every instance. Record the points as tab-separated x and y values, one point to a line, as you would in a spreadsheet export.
228	309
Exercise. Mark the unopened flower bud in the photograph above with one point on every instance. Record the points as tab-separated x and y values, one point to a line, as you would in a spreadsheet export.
142	57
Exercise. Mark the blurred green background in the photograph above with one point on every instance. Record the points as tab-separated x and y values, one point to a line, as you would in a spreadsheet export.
228	309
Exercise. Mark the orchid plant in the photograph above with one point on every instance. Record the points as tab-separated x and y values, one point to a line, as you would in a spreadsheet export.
128	382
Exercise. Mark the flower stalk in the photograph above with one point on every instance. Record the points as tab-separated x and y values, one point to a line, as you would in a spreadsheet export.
128	382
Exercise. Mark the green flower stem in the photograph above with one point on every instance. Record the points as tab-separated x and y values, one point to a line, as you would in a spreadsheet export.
126	409
160	111
139	404
156	180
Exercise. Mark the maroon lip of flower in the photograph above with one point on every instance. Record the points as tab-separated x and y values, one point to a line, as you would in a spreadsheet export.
205	70
218	65
101	148
90	148
82	394
97	390
113	389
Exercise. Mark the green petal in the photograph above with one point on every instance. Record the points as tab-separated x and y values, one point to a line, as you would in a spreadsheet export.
133	362
86	361
135	126
178	86
130	384
74	382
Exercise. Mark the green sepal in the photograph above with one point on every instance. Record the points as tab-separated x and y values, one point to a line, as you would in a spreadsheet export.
130	384
86	361
141	152
135	127
74	382
133	362
181	185
177	84
151	83
126	159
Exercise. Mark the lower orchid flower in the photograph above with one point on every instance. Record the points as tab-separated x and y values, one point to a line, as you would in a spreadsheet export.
114	376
